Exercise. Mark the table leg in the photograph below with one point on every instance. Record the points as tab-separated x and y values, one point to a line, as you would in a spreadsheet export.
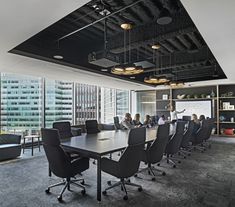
99	179
32	146
24	145
39	144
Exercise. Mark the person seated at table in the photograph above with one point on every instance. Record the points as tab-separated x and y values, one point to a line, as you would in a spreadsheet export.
126	123
136	121
196	124
147	121
161	120
202	117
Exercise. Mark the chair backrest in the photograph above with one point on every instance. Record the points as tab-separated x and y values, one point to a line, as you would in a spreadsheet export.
59	162
92	127
157	148
64	129
201	132
116	122
187	134
210	127
174	143
130	160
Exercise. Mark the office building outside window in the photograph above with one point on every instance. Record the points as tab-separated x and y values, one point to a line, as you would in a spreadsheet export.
122	103
58	101
21	103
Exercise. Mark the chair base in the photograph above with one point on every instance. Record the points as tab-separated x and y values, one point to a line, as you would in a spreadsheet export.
151	171
67	182
123	182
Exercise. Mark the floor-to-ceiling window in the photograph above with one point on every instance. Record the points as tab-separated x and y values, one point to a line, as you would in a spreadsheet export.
26	99
21	103
58	101
86	103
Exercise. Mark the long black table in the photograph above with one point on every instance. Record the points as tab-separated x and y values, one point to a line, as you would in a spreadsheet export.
97	145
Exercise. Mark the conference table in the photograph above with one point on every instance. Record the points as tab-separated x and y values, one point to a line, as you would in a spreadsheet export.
100	144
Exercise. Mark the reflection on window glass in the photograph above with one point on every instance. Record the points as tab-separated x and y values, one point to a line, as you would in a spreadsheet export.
86	102
59	103
20	103
107	105
146	103
122	103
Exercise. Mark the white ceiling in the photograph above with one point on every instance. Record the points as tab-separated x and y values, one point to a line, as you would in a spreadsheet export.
19	20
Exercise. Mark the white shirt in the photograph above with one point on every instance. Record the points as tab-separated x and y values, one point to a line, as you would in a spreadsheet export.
161	121
174	114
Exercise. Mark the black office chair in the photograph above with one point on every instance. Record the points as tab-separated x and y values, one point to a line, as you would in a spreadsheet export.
60	163
173	145
116	122
185	147
154	153
129	161
200	136
92	127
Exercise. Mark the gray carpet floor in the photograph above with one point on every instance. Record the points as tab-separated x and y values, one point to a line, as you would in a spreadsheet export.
203	179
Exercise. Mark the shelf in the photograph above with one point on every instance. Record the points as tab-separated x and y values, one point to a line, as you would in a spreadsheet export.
163	110
162	100
225	135
188	99
227	97
227	110
226	122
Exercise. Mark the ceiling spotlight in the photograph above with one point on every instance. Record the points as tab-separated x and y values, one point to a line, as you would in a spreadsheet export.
126	26
104	70
156	47
164	17
58	57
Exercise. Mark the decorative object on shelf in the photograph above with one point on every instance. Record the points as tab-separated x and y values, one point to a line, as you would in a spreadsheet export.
226	105
208	96
222	118
188	96
232	119
127	68
181	96
229	131
195	96
164	96
212	94
231	93
231	107
203	95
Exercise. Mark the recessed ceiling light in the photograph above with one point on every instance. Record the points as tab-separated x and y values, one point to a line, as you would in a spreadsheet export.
58	57
126	26
104	70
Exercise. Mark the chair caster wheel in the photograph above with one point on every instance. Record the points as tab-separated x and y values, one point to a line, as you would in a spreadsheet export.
125	198
184	157
153	179
174	166
59	198
83	182
158	164
128	180
136	175
47	191
109	182
140	189
104	192
163	173
179	161
83	192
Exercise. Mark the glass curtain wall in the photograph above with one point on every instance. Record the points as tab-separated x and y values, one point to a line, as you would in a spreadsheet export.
86	102
21	103
58	101
146	103
122	103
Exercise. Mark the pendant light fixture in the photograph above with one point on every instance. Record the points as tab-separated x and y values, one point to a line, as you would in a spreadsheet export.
127	68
